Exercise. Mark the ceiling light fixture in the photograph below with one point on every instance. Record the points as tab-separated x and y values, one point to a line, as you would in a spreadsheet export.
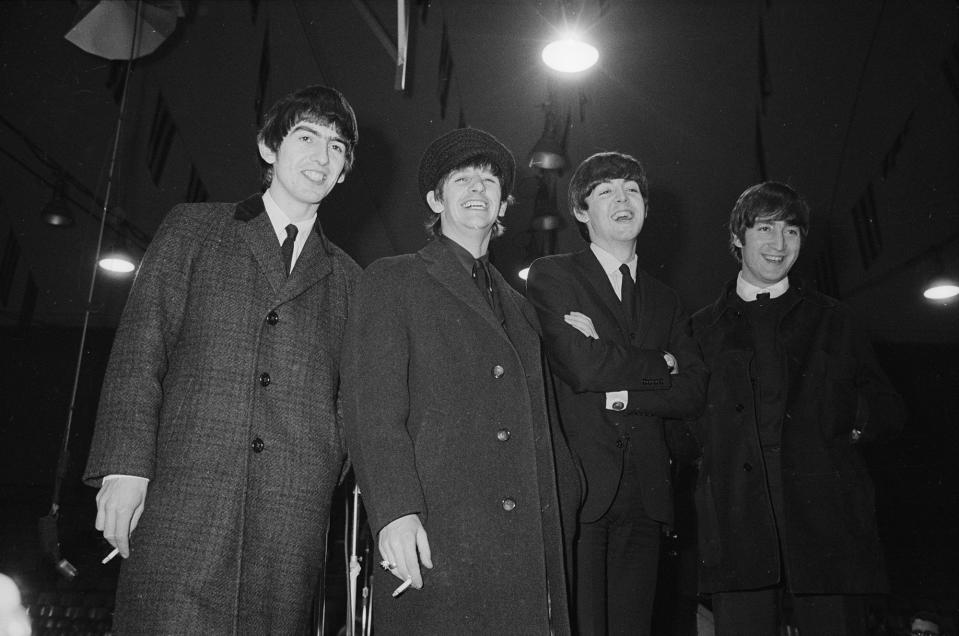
570	55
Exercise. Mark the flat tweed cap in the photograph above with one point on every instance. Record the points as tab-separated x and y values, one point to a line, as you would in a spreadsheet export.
460	146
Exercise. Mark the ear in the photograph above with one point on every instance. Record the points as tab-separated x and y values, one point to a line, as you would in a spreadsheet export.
342	177
268	155
581	215
736	240
502	209
435	204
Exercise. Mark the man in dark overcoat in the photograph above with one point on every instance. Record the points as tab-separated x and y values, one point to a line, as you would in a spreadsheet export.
619	344
217	444
447	421
784	501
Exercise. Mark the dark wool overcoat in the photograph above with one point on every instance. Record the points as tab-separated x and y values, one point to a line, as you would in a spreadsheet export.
221	389
445	416
833	386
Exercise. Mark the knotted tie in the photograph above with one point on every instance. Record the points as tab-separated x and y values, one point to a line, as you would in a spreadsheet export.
627	291
287	248
482	279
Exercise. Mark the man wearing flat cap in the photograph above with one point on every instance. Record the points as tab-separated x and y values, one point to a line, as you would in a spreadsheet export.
445	410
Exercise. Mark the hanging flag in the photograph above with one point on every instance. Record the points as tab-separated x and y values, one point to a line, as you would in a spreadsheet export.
29	303
889	161
445	75
760	148
161	138
195	190
765	83
263	77
866	221
8	266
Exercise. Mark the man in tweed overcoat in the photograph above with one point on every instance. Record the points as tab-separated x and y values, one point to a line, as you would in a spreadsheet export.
447	421
216	447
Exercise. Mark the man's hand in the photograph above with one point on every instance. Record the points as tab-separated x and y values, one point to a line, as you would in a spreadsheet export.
400	542
119	506
582	323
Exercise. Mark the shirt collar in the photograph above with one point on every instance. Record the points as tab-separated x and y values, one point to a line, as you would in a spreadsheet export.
610	263
748	292
279	220
462	254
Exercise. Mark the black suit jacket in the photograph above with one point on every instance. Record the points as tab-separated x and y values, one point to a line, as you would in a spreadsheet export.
621	359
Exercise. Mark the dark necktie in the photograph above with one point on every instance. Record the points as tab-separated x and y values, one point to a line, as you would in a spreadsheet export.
627	291
287	248
482	279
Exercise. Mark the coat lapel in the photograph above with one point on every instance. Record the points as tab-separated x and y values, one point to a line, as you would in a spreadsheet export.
644	315
442	265
258	233
596	283
312	265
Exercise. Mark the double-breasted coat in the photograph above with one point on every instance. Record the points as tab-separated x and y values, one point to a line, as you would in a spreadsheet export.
221	389
833	386
445	416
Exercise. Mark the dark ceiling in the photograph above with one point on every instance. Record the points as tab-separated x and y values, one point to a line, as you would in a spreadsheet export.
853	102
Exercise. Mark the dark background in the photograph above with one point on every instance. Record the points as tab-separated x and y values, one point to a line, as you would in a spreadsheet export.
854	103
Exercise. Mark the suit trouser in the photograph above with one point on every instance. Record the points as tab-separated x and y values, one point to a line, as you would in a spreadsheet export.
617	558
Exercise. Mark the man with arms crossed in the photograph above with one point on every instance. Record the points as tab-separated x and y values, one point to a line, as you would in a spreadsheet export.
619	345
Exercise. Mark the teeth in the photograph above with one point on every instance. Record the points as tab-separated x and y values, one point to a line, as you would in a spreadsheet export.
314	175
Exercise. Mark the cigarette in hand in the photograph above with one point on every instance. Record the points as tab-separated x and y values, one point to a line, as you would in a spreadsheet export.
110	556
402	588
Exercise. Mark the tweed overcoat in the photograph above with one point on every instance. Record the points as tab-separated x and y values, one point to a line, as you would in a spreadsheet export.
221	389
833	385
445	416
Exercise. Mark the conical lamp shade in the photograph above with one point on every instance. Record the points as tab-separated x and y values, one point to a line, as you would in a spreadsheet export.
106	28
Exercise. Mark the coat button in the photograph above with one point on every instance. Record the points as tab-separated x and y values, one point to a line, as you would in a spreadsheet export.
257	445
503	434
618	406
497	371
509	504
272	318
747	467
265	379
740	408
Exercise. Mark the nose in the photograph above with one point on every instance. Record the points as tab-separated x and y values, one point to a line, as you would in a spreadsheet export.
477	185
619	193
321	153
779	239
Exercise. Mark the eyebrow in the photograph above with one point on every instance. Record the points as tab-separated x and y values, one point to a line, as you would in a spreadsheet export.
316	131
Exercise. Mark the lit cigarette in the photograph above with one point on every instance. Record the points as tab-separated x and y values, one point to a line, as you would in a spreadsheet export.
110	556
402	588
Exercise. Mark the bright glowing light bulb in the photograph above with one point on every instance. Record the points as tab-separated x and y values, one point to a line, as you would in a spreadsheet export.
570	55
523	273
941	291
116	265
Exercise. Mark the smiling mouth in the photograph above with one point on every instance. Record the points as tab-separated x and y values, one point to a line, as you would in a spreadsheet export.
475	205
623	216
315	176
774	259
